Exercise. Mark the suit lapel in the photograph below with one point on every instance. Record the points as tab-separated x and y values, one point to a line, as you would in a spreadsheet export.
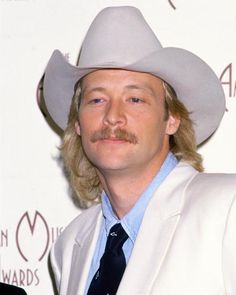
156	232
83	251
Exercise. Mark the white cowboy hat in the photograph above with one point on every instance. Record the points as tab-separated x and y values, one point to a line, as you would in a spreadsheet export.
119	37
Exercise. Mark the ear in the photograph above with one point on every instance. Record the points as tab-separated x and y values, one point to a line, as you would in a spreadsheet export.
172	125
77	127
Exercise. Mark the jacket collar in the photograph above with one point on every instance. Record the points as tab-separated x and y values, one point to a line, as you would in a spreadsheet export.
156	232
83	250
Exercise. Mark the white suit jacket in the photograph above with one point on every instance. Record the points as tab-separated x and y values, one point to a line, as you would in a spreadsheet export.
186	244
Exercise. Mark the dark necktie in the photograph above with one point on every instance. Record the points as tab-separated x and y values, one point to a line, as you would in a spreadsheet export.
112	264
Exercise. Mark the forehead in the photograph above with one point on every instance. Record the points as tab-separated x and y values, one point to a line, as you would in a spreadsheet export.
116	78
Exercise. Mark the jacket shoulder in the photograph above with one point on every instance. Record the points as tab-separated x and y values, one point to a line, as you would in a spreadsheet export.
213	190
216	182
80	224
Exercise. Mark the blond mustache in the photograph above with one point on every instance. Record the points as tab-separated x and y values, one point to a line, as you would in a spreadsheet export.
118	134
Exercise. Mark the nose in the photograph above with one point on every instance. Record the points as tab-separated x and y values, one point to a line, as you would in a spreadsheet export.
114	114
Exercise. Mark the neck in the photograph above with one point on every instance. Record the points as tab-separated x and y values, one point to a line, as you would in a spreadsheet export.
125	187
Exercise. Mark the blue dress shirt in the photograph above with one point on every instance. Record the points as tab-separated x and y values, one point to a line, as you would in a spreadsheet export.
131	221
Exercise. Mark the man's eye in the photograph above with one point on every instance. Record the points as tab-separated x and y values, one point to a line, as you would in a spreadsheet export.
96	101
136	100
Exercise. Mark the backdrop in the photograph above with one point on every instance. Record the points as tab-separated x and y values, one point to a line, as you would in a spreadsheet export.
34	198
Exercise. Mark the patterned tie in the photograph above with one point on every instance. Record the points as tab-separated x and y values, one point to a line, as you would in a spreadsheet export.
112	264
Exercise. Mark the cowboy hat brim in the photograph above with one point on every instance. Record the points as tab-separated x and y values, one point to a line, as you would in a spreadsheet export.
194	82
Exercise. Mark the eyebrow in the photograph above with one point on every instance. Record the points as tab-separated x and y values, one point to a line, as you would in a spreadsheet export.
99	88
129	86
137	87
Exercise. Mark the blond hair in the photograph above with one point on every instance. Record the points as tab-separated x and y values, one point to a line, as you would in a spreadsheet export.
183	142
83	175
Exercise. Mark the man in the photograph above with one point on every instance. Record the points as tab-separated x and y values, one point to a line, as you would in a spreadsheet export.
137	114
6	289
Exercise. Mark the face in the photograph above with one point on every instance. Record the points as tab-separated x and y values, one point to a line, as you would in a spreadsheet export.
123	122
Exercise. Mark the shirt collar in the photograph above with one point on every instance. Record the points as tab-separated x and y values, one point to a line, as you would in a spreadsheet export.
132	220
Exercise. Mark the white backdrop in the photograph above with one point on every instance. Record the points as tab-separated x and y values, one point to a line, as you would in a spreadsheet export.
34	199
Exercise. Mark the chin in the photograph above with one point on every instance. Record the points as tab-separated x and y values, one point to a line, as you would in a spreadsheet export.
109	166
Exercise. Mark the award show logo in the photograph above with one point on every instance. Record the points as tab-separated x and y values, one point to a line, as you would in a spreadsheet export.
31	238
26	228
228	81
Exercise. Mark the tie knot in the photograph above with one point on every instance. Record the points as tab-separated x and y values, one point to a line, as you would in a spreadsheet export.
117	230
117	237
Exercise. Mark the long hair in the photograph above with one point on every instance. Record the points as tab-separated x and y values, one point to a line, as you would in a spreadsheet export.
83	175
183	142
